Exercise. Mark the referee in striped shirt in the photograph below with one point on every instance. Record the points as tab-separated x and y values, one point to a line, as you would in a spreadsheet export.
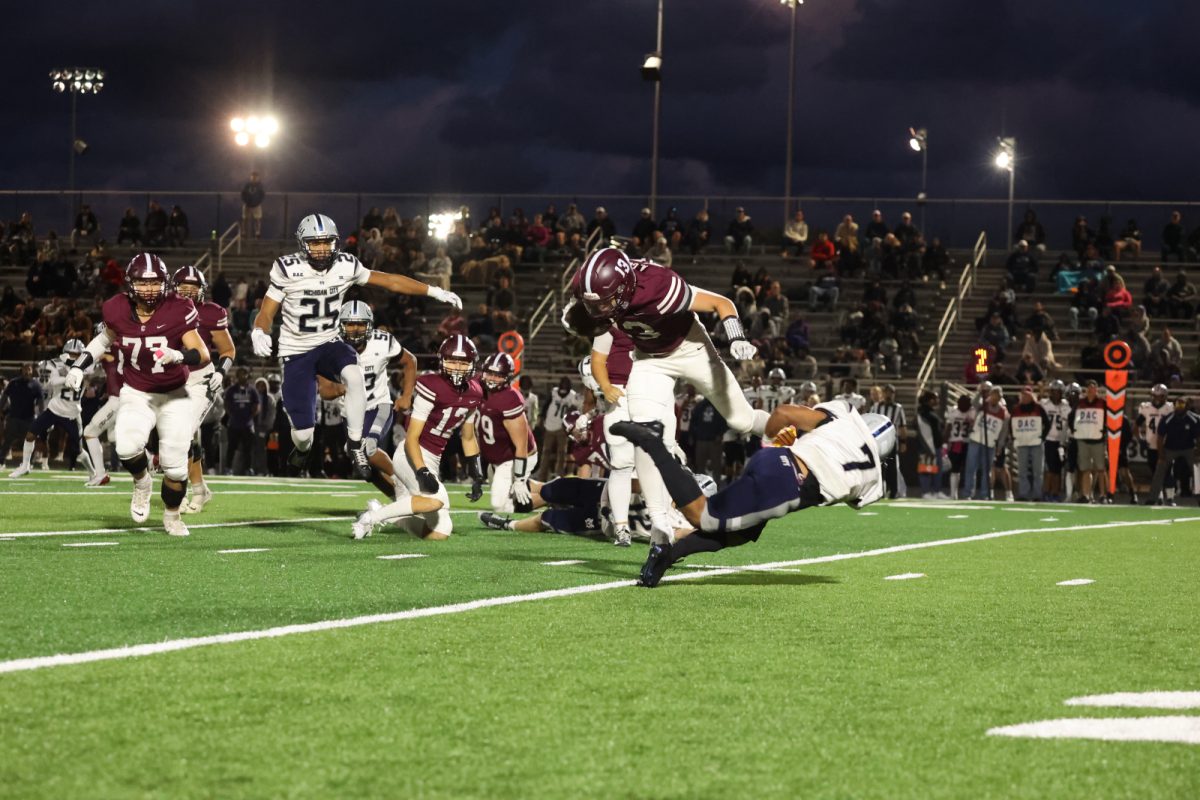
895	412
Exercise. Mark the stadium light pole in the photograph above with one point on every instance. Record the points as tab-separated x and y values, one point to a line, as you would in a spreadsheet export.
918	140
652	71
76	80
791	114
1006	159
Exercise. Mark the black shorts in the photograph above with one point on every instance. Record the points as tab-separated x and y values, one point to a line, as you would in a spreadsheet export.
735	452
578	501
998	461
957	460
1054	459
1072	456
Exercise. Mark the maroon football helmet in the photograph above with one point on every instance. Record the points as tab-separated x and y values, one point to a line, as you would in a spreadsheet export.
456	359
605	283
146	280
498	370
185	278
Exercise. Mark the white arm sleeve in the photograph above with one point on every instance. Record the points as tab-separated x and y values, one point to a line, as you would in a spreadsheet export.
421	408
603	343
99	345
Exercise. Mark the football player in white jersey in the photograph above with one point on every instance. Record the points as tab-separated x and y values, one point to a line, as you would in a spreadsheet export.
1150	415
309	286
775	393
824	455
958	432
1057	411
377	351
63	410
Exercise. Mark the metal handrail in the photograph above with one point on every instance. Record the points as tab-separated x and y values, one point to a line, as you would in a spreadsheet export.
953	313
205	258
232	236
537	319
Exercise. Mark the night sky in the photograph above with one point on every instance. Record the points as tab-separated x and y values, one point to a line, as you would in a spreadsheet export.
535	96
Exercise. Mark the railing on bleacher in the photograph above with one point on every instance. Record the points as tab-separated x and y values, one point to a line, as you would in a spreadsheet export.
953	313
232	237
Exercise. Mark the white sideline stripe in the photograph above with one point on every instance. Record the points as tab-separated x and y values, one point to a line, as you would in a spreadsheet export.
245	550
158	529
868	513
1048	519
569	562
398	556
905	576
1172	700
1075	582
89	544
1179	730
957	516
940	506
172	645
123	492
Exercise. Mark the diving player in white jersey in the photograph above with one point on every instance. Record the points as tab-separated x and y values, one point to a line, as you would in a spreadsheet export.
63	410
377	350
822	456
309	286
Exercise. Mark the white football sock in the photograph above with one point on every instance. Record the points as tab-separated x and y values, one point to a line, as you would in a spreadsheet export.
27	453
400	508
355	400
620	489
96	453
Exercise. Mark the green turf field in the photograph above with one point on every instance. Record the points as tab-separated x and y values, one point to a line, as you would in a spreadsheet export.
814	677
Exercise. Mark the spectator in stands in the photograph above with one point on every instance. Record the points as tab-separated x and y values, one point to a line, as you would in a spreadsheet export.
658	251
49	250
602	223
644	229
890	256
1129	240
1155	291
775	301
876	228
795	236
1142	362
502	297
907	326
1028	370
86	226
177	227
1138	322
907	233
253	194
130	229
1032	232
458	243
935	261
1022	267
1181	298
1106	245
372	219
994	333
1172	238
739	236
1167	357
1107	325
21	242
699	233
797	334
1116	296
741	275
1082	235
1040	321
760	284
453	323
823	252
437	270
571	221
671	228
537	240
826	289
1087	302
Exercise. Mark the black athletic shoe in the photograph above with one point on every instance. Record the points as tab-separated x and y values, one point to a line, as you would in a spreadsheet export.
298	459
494	521
656	564
640	433
358	459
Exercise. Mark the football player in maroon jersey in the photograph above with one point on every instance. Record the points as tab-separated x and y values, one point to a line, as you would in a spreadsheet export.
505	436
657	309
204	384
156	336
443	402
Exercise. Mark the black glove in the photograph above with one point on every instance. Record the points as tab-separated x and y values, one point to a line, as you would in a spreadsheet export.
427	481
475	469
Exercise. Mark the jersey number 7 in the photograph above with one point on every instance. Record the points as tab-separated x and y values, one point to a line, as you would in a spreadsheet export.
861	465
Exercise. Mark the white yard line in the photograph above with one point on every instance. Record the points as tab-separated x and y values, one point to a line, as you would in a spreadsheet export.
1075	582
172	645
400	556
90	544
124	491
158	528
566	562
905	576
244	550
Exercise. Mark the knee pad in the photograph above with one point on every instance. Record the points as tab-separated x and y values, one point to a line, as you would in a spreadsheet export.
196	452
172	497
176	472
137	464
441	521
302	439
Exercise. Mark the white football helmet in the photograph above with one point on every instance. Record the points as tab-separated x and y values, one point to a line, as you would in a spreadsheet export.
884	432
72	349
318	238
356	312
707	485
585	374
776	377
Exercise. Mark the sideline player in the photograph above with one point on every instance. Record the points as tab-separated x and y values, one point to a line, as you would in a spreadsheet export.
826	455
1150	415
204	384
377	350
443	402
156	337
505	436
657	309
63	410
309	286
1057	411
103	421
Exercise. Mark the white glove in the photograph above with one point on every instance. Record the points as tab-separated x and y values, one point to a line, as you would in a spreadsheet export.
742	350
442	296
520	492
215	381
167	356
260	340
74	380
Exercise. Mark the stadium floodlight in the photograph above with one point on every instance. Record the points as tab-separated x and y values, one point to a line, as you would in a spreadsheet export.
270	125
261	140
441	224
237	124
1006	159
77	81
260	129
652	72
652	67
241	138
918	139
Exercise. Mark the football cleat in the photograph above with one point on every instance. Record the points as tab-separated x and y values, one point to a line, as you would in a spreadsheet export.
174	524
358	458
495	521
298	458
363	526
139	504
19	472
640	433
657	561
97	481
196	501
622	537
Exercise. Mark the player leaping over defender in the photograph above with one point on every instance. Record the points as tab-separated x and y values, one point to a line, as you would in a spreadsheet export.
309	287
824	455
